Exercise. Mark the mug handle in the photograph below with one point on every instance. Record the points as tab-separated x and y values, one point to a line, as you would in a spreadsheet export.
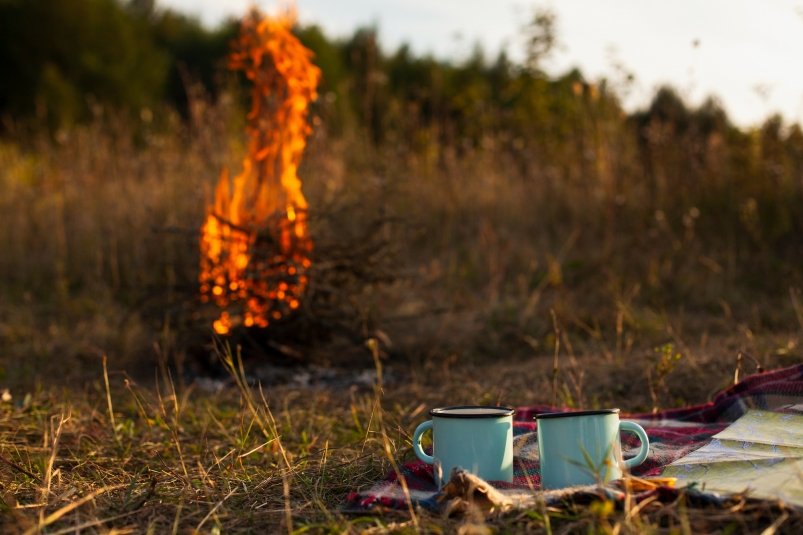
419	431
637	430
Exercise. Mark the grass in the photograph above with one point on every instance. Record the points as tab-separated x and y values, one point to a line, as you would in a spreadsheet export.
123	457
480	246
497	277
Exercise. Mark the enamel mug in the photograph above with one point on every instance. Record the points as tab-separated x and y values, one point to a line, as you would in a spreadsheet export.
478	439
583	448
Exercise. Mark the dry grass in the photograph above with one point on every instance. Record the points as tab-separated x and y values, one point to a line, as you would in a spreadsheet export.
179	461
485	245
514	280
119	457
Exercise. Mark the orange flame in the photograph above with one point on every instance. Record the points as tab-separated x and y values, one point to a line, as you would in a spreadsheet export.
255	245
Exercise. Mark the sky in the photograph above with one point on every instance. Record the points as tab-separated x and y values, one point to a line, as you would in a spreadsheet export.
748	54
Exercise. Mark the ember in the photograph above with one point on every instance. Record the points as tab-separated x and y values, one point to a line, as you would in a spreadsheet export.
255	244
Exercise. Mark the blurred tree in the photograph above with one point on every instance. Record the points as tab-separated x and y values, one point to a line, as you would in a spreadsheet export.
794	147
146	8
710	118
418	84
327	56
368	82
669	109
58	55
471	105
195	54
59	58
540	39
332	103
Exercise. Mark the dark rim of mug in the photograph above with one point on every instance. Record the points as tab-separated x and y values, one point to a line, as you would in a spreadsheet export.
443	412
548	415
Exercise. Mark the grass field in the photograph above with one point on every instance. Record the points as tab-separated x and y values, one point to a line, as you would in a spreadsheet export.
483	264
118	456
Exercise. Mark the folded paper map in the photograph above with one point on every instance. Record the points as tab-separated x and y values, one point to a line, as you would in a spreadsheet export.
761	453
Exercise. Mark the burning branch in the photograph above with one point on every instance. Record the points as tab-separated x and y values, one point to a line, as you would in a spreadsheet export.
255	244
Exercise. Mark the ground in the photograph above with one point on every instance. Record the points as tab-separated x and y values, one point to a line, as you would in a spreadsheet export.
222	456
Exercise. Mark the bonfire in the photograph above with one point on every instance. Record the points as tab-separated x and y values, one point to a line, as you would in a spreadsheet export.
255	244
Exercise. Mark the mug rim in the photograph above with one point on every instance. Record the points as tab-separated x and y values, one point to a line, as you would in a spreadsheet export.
442	412
552	415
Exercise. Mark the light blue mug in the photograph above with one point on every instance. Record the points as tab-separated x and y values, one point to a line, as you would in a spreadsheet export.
583	448
478	439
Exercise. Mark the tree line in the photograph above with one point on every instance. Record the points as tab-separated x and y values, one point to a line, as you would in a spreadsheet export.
61	58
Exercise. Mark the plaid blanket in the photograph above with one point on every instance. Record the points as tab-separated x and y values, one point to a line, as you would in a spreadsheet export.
673	434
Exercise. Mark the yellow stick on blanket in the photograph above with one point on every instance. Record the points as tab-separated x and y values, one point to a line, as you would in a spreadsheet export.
640	484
